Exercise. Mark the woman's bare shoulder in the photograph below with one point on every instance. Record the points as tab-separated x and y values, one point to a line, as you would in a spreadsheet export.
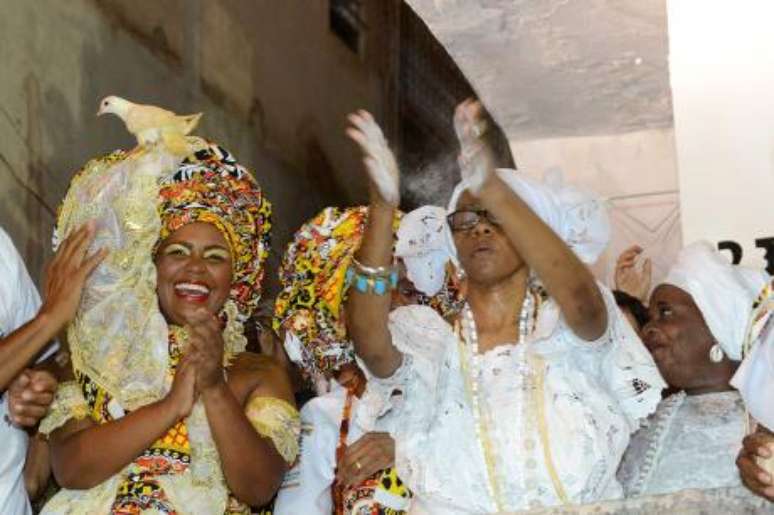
252	373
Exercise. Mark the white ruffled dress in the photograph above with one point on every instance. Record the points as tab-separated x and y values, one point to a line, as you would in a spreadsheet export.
594	395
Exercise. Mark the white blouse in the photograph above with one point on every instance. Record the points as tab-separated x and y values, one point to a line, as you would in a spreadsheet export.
593	396
19	302
690	442
307	485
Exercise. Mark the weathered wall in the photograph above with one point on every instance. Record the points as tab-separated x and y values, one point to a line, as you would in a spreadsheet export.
635	172
559	68
273	83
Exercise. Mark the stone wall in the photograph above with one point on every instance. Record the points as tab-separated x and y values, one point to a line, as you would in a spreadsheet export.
580	87
273	82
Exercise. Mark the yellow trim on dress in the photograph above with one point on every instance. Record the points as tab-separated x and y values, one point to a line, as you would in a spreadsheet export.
69	403
278	421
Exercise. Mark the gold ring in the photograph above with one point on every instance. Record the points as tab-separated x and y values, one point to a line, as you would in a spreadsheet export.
358	465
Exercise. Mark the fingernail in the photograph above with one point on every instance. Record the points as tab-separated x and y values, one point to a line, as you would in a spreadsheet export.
764	452
763	477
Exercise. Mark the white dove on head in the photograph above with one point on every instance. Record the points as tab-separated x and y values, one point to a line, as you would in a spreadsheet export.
151	124
114	105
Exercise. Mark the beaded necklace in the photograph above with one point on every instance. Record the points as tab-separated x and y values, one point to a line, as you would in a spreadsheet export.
470	364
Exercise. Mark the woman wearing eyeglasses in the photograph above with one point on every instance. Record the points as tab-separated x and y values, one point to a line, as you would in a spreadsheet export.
528	398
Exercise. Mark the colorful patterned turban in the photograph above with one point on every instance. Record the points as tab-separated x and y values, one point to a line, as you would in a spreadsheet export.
312	277
210	186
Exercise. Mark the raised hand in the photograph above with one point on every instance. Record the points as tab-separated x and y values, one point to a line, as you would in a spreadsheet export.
370	454
632	278
30	395
378	158
66	275
476	159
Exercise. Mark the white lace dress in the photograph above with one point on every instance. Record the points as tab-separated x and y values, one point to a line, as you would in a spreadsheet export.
592	397
690	442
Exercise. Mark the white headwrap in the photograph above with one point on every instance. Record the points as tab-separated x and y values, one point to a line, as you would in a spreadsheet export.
723	292
423	246
577	217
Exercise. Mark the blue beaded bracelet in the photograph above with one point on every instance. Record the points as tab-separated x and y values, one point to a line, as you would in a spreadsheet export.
372	283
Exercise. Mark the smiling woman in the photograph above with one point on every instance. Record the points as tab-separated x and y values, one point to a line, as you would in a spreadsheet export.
184	420
193	270
698	321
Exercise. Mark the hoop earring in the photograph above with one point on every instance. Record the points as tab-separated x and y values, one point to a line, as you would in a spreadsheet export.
716	354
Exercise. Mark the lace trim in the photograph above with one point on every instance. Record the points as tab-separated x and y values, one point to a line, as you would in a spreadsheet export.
68	403
278	421
234	340
539	400
661	424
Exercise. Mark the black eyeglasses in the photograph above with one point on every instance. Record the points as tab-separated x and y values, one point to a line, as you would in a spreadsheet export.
466	219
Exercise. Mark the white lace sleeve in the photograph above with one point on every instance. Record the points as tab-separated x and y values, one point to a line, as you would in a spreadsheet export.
421	335
622	364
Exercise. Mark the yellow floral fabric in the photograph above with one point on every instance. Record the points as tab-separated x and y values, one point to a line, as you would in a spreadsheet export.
69	403
313	277
278	421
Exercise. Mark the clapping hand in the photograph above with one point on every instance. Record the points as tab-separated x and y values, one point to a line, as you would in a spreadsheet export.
201	367
205	345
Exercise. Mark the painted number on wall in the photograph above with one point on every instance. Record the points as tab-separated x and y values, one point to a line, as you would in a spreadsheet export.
761	243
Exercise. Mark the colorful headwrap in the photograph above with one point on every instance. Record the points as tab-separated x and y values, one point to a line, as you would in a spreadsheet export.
210	186
312	275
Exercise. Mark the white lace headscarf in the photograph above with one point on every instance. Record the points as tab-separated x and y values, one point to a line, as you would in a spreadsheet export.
724	293
422	244
577	217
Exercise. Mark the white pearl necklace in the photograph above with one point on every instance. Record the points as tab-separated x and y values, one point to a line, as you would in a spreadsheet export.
470	362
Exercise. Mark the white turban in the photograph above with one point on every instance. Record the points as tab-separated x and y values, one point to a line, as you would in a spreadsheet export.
423	246
723	292
577	217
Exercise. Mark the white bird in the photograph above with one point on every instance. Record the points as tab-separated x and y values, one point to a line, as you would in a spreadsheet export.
151	124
